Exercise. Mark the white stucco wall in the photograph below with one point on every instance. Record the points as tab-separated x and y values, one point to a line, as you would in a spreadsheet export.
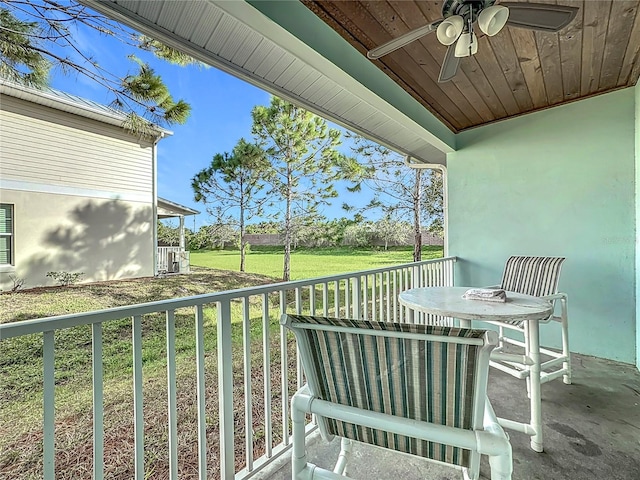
559	182
103	238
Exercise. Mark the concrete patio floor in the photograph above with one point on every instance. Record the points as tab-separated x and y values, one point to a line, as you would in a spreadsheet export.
591	428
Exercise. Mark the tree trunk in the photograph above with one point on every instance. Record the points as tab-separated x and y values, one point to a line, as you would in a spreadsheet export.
417	204
286	273
242	239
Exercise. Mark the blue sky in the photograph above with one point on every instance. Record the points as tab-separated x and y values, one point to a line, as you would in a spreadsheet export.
221	114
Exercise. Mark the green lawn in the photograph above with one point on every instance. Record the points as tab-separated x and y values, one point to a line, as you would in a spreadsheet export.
309	263
214	271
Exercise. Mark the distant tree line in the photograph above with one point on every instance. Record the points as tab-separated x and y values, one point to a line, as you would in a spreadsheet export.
314	234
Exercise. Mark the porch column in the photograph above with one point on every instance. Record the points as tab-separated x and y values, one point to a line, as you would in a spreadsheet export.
182	233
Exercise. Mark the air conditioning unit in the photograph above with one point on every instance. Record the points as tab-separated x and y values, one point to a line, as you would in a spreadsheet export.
173	262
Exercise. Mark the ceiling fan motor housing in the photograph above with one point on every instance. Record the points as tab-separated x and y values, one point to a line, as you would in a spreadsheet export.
465	7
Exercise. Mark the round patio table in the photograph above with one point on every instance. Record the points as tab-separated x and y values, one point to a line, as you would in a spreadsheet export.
448	302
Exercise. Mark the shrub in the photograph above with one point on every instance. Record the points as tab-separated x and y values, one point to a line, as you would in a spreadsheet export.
65	278
18	283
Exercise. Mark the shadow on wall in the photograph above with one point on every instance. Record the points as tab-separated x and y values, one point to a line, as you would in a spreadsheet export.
105	240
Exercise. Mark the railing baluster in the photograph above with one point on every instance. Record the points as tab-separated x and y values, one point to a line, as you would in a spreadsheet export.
98	401
357	290
248	403
49	425
172	410
451	270
401	284
225	395
381	298
325	299
299	378
405	272
138	416
312	299
200	394
365	301
347	297
395	295
266	372
387	278
447	277
374	299
284	378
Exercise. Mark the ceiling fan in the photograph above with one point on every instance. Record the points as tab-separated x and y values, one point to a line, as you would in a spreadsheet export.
455	28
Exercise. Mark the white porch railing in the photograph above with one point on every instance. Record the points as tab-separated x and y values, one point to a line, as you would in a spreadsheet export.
173	260
370	294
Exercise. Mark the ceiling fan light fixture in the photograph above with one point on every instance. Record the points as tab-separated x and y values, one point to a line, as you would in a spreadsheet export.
492	19
467	45
450	29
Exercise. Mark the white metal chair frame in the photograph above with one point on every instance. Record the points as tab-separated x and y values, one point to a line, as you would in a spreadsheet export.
486	437
522	370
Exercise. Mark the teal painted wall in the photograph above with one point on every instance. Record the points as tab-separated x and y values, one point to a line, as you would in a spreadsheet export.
637	154
556	182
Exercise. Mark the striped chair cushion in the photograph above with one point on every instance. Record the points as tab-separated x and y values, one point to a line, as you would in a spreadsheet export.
536	276
429	381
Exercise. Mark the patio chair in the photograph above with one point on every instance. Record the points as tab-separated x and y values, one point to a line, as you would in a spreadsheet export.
416	389
537	276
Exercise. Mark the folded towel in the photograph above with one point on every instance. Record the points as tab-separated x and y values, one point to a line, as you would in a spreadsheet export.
486	294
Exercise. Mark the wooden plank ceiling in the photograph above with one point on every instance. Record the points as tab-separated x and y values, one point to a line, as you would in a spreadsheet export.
515	72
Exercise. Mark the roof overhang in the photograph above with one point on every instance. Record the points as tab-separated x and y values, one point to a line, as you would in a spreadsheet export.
169	209
271	45
71	104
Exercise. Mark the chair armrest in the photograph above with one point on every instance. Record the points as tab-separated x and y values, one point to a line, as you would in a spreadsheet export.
563	309
555	296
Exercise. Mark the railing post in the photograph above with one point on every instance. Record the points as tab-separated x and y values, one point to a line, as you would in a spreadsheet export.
248	402
172	412
284	374
225	392
266	373
200	392
138	418
98	402
356	294
49	406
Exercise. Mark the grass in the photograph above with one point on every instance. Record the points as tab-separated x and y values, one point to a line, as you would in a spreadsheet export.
21	375
21	365
310	262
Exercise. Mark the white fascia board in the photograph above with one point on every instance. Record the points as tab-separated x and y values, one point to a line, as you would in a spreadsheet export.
263	25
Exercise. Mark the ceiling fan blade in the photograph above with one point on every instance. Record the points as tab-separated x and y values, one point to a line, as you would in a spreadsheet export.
449	65
538	16
402	40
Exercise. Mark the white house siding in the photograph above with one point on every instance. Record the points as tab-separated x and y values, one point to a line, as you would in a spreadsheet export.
82	193
44	146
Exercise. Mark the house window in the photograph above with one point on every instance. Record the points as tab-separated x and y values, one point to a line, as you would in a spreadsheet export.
6	234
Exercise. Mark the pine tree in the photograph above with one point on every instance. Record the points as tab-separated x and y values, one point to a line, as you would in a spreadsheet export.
234	183
405	193
36	37
305	162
